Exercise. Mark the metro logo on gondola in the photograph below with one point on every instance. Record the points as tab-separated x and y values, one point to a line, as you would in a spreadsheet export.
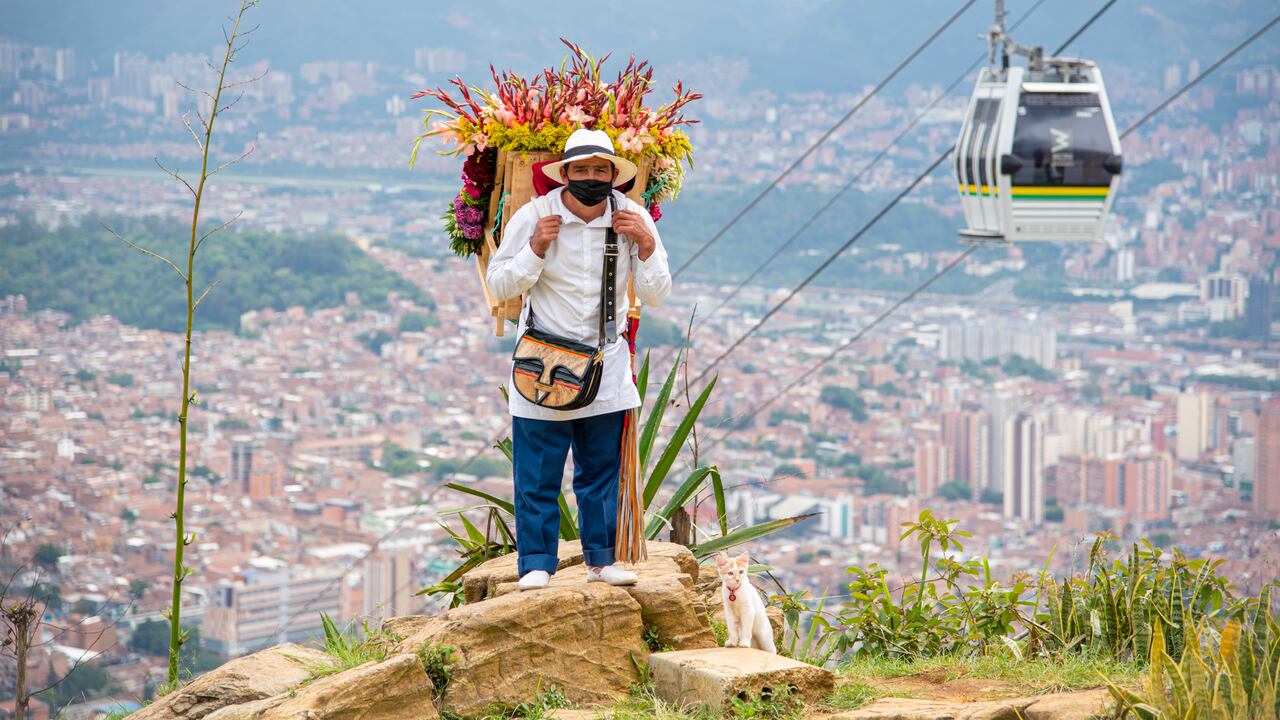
1061	141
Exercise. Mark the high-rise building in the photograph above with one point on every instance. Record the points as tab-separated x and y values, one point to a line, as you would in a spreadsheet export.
931	463
388	584
1195	424
1266	467
984	340
241	471
1230	288
1000	409
966	434
1257	311
1024	468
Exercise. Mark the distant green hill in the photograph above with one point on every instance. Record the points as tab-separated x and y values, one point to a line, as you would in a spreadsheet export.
86	271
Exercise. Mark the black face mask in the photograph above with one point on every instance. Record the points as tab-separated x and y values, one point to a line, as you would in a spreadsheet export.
589	192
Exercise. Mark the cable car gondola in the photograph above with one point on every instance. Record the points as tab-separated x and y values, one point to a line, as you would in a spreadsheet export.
1038	156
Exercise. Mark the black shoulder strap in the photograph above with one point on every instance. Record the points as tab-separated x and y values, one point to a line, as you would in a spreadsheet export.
608	280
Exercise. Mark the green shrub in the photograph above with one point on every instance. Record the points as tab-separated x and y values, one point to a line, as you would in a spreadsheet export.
1236	680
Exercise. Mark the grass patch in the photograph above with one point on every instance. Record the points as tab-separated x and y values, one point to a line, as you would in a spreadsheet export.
350	648
538	708
853	695
1032	676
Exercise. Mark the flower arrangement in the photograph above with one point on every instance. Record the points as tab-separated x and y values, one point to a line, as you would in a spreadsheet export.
538	115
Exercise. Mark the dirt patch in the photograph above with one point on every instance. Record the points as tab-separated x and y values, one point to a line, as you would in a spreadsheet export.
935	685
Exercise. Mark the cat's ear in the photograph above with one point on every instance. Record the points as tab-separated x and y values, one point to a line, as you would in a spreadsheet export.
741	559
721	561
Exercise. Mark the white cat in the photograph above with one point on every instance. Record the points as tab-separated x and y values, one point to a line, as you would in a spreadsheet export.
744	616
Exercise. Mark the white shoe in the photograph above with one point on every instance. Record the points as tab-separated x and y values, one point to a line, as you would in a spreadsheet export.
534	579
613	574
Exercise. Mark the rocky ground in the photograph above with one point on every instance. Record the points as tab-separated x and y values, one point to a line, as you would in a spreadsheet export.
648	650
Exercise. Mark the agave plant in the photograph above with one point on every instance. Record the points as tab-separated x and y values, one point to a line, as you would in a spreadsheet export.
1237	680
655	469
1115	607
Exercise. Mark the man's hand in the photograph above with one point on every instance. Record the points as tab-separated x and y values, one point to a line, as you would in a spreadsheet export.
629	223
548	229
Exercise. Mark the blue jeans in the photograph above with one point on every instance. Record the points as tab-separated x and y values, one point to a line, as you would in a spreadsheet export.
539	448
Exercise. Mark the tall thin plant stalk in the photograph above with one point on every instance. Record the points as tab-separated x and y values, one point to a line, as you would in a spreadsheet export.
177	636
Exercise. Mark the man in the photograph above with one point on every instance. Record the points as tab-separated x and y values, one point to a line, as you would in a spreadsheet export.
556	263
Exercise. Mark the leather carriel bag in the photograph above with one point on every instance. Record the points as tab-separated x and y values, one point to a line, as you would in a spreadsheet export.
555	372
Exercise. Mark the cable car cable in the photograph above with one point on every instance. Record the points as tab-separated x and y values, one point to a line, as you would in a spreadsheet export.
880	318
867	226
857	106
862	172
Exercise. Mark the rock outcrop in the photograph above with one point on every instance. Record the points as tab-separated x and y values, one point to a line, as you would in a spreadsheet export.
585	638
253	677
395	689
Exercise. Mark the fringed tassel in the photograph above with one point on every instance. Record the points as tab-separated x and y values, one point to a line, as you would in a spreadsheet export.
629	544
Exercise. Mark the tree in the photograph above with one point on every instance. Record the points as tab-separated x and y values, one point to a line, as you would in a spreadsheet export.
954	490
22	629
844	398
398	461
373	341
194	241
138	587
47	555
413	322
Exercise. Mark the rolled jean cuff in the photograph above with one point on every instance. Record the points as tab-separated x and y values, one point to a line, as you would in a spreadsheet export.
598	557
537	561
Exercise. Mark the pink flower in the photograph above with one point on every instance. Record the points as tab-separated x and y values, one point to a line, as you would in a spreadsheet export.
575	114
629	142
447	133
663	163
655	212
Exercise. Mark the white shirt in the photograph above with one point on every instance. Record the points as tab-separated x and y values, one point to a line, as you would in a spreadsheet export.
564	288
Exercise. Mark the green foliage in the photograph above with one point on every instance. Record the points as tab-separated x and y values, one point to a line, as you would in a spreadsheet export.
991	497
374	340
413	322
845	398
777	417
788	470
1236	680
435	663
84	270
1017	365
120	379
780	703
151	637
954	490
539	708
47	555
1115	607
398	461
87	680
351	647
137	588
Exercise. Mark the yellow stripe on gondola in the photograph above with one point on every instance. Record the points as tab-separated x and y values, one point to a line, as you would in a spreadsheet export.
1057	190
979	189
